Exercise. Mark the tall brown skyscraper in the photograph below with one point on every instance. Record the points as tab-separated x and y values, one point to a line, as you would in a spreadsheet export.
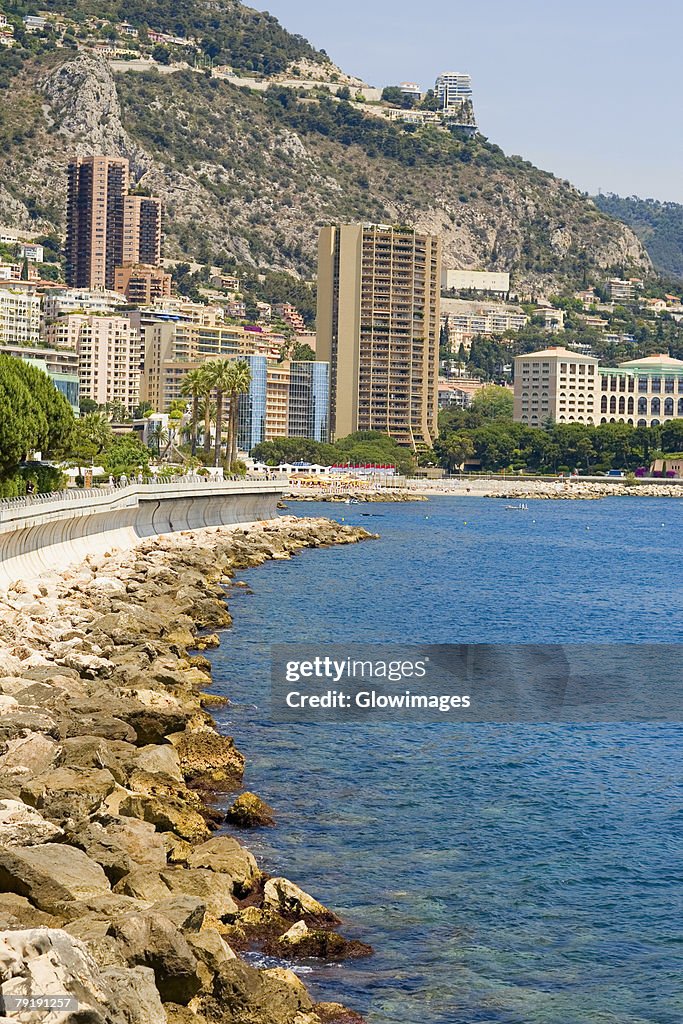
378	327
107	227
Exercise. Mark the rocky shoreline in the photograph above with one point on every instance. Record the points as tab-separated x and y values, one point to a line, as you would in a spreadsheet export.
116	888
571	489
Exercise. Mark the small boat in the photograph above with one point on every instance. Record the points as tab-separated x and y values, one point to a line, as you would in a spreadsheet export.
522	507
352	501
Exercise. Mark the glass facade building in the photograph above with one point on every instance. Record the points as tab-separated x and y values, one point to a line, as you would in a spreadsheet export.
252	406
309	400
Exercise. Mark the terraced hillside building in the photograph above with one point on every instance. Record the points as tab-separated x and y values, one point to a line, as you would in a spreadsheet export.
378	328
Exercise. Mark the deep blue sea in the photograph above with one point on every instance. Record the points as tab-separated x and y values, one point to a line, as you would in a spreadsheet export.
512	874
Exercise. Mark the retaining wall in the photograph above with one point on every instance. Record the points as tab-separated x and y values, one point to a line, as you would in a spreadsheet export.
37	535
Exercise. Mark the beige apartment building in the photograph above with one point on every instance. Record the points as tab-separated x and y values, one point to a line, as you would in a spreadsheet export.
555	384
378	327
278	378
566	387
171	348
19	314
109	356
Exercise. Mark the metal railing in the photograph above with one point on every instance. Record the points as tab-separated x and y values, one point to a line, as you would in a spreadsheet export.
76	494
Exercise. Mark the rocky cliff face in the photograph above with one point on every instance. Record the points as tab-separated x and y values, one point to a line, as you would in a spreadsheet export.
241	177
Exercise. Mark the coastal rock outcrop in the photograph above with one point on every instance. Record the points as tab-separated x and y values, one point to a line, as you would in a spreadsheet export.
249	811
113	887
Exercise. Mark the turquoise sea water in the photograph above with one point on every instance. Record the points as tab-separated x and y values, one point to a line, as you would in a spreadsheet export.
509	874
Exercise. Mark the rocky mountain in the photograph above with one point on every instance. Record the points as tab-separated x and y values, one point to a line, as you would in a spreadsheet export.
251	175
658	225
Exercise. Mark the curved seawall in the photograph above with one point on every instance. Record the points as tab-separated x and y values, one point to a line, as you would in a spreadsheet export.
54	531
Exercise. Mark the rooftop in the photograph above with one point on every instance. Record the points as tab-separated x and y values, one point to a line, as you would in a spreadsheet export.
558	352
656	361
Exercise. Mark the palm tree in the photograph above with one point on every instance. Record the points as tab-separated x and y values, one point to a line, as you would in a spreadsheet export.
220	373
193	386
209	411
159	435
207	414
241	382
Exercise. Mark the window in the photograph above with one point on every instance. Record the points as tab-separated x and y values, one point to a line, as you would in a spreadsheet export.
642	383
656	384
655	407
668	406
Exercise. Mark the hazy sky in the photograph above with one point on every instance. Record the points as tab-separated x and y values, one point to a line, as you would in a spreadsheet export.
588	89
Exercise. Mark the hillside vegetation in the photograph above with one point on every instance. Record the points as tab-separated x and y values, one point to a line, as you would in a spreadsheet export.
249	177
658	225
226	31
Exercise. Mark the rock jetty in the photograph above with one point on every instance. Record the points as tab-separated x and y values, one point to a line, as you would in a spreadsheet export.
118	890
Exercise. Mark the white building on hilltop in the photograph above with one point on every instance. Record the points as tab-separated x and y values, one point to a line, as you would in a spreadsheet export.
453	88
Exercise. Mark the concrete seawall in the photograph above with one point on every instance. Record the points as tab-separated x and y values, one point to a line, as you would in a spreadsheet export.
55	531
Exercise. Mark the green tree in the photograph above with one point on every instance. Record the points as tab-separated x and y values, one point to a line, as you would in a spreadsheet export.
34	416
494	403
671	436
220	375
454	449
194	387
126	454
158	437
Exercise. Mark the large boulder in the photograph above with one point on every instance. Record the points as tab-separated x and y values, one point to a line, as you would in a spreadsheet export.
150	939
167	814
121	845
135	994
225	855
250	811
21	825
213	888
28	755
185	911
208	759
242	993
69	793
16	913
153	715
285	898
50	962
51	876
159	759
301	942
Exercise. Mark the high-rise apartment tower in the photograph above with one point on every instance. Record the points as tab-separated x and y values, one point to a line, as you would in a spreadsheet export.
107	227
378	327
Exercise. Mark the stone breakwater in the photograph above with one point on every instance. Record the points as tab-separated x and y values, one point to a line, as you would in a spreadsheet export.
117	889
355	494
559	490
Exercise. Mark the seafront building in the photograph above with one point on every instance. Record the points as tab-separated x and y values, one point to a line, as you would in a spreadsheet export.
378	328
106	226
568	387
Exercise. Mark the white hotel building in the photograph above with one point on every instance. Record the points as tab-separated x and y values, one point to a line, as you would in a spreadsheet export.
568	387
